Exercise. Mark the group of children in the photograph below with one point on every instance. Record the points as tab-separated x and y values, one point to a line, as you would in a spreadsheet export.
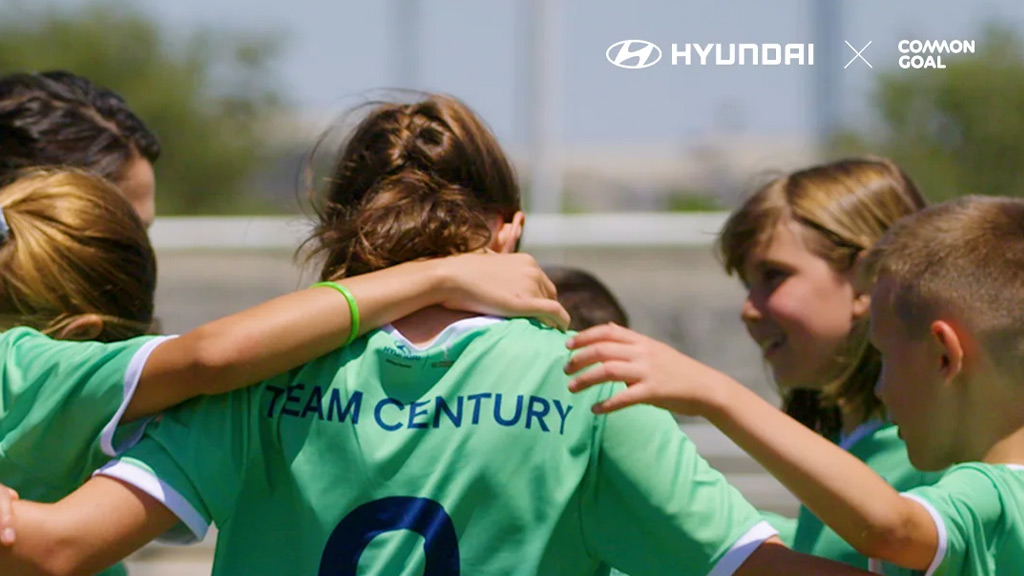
389	420
882	321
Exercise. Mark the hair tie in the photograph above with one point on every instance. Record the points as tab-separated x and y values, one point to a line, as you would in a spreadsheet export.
5	229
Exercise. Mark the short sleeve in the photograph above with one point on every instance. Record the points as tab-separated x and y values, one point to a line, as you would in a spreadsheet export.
784	525
192	460
654	506
967	510
62	402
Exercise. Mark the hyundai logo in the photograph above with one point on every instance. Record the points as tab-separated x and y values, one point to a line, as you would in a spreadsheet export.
633	54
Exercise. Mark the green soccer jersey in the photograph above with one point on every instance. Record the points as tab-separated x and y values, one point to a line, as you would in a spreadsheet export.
878	445
784	525
60	405
467	456
978	510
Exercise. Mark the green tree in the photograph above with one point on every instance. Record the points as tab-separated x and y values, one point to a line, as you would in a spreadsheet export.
959	130
207	95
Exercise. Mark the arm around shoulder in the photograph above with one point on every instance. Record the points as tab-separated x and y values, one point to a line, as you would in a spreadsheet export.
278	335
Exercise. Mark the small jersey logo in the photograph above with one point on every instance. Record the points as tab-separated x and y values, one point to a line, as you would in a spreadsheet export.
400	350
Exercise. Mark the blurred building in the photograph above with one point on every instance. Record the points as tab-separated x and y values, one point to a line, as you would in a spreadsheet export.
710	172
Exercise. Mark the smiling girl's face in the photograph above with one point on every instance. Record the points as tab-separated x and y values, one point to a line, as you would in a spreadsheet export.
798	309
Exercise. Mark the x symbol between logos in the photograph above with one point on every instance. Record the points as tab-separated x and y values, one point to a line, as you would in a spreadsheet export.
858	54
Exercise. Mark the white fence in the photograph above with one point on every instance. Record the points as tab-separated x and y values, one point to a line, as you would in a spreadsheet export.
641	229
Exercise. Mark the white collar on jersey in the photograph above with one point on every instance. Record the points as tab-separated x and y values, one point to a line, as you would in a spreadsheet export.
450	332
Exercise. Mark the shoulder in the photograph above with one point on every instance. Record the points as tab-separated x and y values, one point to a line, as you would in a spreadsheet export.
967	479
23	339
525	334
1005	482
531	351
976	474
972	490
30	358
11	337
976	508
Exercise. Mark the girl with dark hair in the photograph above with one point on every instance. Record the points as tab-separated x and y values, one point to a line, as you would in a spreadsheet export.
60	119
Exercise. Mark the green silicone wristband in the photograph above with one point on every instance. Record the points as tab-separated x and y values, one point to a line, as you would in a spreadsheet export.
352	308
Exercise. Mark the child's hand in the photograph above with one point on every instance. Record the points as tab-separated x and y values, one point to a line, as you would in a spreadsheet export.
503	285
7	496
654	372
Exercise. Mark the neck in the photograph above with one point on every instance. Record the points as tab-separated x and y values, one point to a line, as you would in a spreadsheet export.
422	326
1007	450
992	412
1001	439
851	419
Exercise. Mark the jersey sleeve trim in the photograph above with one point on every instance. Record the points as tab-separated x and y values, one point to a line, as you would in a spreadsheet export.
166	495
940	528
743	548
131	382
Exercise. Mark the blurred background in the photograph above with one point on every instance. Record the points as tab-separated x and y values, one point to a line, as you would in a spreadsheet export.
627	173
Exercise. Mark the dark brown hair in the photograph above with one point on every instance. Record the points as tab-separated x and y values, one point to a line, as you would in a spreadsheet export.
412	181
587	300
843	208
60	119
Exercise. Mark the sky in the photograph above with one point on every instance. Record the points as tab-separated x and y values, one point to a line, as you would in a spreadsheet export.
336	50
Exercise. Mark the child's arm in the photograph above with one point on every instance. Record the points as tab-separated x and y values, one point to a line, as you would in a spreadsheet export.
105	521
7	498
278	335
96	526
840	489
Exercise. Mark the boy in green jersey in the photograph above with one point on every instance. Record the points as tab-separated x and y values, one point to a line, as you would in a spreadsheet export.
794	244
446	443
947	315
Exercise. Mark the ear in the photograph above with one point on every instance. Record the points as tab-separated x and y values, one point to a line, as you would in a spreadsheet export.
84	327
861	306
862	290
951	348
506	238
